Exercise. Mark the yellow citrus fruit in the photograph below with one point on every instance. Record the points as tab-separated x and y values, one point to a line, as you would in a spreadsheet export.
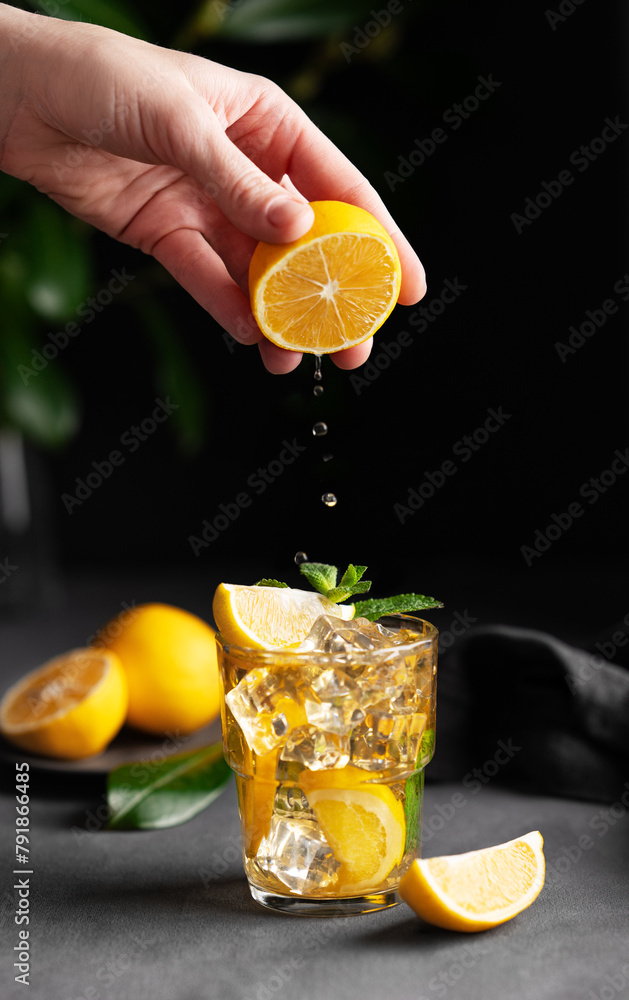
70	707
363	824
330	289
270	617
169	658
479	889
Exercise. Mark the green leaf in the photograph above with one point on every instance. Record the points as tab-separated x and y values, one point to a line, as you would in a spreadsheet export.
402	603
59	274
321	576
166	792
45	410
267	582
343	593
427	747
351	575
413	800
42	404
265	21
104	12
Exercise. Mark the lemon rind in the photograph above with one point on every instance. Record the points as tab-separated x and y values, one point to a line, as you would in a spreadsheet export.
16	729
382	810
439	903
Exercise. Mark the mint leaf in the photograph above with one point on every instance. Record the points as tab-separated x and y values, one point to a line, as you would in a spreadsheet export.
267	582
342	593
349	584
321	576
427	747
351	576
376	607
413	800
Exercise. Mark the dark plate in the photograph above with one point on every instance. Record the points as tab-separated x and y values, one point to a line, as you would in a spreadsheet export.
129	746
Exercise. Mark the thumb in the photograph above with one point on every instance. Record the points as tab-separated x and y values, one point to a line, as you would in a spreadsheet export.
251	200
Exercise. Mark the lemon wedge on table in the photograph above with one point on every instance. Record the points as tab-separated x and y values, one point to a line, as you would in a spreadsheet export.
270	617
71	707
330	289
363	824
479	889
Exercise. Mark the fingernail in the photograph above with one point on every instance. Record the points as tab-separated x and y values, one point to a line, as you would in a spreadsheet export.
282	211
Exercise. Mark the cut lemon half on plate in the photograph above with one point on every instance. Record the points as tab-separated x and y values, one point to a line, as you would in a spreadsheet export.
270	617
479	889
363	824
330	289
71	707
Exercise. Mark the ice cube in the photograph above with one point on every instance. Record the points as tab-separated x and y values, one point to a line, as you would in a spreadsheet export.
297	853
390	684
265	704
385	740
291	801
332	700
377	634
335	635
316	749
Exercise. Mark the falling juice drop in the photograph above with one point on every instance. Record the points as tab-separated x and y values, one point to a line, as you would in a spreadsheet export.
320	428
329	499
318	390
300	557
318	374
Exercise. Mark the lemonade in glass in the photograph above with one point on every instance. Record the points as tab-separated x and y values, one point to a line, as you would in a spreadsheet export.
328	742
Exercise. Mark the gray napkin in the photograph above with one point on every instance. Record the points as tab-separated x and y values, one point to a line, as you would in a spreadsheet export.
522	707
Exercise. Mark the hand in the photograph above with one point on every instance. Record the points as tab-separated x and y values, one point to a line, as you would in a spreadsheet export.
190	161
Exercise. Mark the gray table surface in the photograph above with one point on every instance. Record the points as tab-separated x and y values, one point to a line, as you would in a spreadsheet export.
167	915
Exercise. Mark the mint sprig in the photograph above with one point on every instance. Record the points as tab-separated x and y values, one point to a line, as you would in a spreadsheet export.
377	607
323	577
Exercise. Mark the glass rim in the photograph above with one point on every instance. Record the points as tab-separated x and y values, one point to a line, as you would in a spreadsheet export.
429	635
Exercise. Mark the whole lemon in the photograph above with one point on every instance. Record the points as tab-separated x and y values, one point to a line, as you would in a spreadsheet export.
169	658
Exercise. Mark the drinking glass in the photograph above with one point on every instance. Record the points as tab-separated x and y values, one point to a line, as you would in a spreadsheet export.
329	750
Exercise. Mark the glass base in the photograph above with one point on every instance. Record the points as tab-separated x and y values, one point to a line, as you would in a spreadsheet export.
304	906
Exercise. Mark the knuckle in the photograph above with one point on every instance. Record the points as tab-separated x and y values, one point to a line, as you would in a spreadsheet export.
244	188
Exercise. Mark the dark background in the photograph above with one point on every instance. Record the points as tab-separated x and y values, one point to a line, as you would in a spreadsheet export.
494	347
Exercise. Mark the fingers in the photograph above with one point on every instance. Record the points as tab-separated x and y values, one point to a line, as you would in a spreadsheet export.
252	201
196	267
321	172
280	140
276	360
353	357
